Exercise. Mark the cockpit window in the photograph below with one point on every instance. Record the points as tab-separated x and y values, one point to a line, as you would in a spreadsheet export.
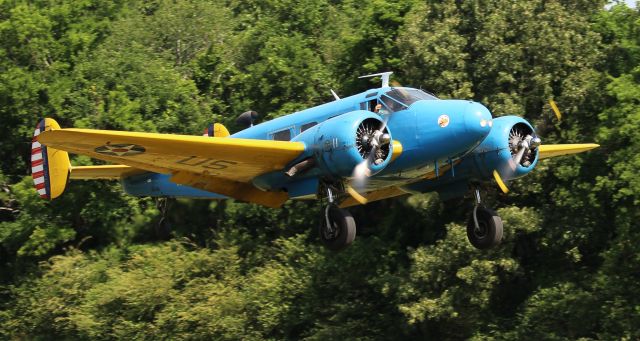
391	104
408	96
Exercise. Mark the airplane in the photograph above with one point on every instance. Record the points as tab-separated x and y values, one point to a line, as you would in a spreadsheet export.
382	143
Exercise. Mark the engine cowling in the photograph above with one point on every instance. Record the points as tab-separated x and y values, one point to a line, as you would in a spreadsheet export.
499	151
341	143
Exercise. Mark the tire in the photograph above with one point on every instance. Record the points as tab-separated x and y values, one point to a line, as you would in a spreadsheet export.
343	230
490	233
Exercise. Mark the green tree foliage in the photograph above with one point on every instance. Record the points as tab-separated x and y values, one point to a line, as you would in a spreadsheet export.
97	264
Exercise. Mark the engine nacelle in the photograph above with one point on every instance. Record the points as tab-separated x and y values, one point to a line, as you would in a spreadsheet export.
341	143
500	148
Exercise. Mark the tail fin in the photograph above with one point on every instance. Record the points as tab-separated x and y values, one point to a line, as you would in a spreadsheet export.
49	167
216	130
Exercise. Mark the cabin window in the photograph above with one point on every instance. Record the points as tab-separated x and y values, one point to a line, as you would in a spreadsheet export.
307	126
282	135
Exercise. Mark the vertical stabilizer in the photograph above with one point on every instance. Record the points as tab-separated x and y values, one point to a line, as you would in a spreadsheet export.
216	130
49	167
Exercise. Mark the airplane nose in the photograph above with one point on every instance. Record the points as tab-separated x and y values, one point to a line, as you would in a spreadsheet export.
477	120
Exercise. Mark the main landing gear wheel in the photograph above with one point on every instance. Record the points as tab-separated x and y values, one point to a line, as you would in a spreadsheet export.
485	231
337	228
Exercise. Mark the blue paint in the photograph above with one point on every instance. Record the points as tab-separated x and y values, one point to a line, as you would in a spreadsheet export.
478	166
428	129
303	187
158	185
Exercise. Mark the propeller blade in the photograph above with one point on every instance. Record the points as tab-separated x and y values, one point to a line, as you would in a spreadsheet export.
357	196
501	183
362	171
555	109
520	154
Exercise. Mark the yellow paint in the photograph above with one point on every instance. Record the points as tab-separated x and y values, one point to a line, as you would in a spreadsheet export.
501	184
106	172
376	195
58	162
555	109
357	196
397	149
233	159
220	130
237	190
552	150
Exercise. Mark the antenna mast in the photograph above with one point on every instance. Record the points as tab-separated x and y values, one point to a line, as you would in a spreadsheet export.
384	75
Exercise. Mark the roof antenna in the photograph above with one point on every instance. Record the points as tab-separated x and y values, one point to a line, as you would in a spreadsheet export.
384	75
334	94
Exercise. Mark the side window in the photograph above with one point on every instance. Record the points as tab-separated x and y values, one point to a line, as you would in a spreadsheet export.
307	126
372	104
282	135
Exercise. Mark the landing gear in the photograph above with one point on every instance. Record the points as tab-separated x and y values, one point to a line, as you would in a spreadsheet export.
484	229
337	226
337	229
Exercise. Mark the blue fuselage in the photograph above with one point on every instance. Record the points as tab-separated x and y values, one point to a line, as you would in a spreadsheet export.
432	132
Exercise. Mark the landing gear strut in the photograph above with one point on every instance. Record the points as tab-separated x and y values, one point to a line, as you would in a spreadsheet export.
484	229
337	226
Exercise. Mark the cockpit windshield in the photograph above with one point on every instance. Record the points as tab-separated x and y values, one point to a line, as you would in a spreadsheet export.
408	96
398	99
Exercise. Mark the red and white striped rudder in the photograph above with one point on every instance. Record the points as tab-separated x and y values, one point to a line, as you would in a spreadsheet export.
49	167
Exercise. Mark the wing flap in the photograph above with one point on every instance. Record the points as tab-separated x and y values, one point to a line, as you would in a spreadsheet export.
237	190
552	150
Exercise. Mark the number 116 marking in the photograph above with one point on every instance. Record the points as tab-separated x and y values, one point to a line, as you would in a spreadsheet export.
206	163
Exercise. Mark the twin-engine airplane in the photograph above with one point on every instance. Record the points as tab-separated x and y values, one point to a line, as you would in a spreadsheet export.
378	144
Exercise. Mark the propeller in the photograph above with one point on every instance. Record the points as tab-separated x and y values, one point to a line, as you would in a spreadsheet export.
522	145
370	143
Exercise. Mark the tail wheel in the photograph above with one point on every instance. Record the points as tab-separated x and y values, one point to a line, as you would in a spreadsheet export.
337	228
488	232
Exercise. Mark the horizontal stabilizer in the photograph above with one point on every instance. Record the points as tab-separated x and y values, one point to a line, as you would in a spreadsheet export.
105	172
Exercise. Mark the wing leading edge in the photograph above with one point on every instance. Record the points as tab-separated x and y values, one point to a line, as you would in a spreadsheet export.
552	150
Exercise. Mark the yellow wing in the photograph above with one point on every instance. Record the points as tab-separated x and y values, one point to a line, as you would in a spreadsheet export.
223	165
552	150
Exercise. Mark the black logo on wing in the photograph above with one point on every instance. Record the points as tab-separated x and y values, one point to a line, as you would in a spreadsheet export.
124	149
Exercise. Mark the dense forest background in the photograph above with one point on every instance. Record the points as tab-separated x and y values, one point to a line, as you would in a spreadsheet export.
96	264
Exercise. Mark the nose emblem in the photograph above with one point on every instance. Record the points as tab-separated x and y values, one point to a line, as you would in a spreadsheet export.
443	121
